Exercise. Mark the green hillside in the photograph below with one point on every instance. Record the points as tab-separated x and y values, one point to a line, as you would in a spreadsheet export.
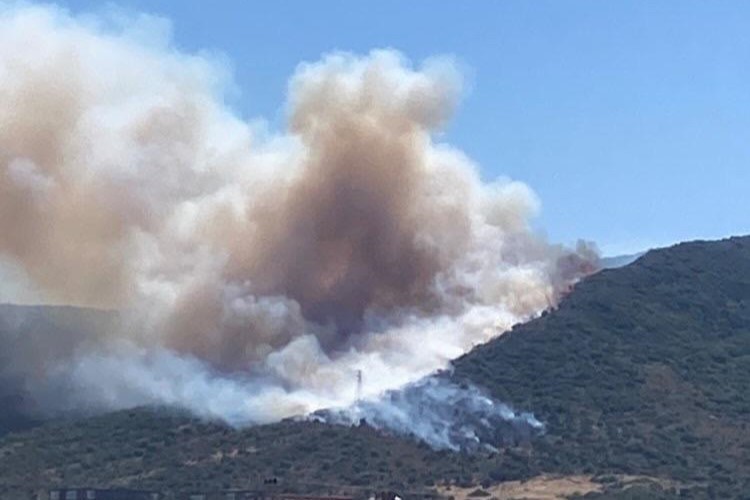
641	370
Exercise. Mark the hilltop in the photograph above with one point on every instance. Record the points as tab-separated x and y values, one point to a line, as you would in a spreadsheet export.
642	370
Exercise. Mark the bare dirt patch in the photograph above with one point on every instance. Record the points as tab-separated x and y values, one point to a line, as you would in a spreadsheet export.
550	487
538	488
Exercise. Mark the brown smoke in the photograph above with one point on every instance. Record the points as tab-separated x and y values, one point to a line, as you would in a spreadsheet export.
344	234
351	240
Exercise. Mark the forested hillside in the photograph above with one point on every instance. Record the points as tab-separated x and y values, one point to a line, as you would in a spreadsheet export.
641	370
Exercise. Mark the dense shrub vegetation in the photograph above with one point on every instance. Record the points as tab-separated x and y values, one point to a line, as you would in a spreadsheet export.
641	370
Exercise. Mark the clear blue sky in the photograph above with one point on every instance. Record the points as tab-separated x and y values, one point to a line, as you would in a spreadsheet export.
630	119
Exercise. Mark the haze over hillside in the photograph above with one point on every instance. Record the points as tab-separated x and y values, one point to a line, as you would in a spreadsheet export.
641	370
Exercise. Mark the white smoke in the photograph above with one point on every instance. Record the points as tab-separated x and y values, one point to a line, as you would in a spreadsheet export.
441	413
256	273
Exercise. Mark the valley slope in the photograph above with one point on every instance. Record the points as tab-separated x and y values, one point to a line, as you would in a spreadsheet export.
641	370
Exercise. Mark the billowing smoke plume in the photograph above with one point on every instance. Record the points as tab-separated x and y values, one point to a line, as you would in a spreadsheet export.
255	273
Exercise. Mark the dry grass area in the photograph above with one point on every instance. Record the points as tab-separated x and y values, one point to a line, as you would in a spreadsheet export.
537	488
547	487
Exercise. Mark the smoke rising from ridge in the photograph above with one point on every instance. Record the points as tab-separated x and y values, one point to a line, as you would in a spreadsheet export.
441	413
255	272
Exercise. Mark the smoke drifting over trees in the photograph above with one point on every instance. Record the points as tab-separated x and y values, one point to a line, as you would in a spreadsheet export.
254	273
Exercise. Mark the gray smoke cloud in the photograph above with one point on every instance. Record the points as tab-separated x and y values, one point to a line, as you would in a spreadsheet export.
255	272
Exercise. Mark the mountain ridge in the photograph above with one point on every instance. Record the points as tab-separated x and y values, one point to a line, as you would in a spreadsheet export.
640	370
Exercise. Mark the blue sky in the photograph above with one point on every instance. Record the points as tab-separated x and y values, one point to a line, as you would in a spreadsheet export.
630	119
